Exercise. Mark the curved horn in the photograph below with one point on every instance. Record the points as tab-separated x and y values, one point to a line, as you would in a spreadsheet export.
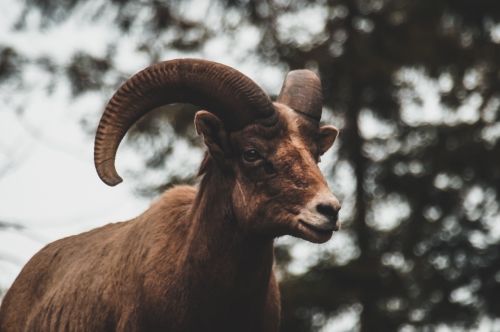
301	91
226	92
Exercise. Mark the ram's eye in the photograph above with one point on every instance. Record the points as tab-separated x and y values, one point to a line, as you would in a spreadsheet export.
251	155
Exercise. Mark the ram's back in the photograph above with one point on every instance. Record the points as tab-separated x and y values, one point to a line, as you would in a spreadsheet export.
100	271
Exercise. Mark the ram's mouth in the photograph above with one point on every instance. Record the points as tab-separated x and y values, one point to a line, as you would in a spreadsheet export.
314	233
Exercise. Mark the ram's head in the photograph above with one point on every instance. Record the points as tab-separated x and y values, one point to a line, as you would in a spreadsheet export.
267	151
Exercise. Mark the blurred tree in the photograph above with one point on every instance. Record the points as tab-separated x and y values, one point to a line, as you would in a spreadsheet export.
422	213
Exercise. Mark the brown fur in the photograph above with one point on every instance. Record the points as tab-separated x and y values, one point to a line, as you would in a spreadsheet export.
196	260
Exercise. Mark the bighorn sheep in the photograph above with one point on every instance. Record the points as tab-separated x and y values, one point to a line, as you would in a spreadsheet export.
199	259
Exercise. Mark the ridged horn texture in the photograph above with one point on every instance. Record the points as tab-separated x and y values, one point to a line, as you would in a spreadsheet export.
232	96
301	91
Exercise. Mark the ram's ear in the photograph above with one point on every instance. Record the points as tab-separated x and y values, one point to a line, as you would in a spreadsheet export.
327	136
214	135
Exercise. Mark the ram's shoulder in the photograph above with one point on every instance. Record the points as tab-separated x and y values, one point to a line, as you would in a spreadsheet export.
178	196
176	201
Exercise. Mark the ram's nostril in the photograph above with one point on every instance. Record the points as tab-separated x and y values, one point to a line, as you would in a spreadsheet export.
328	210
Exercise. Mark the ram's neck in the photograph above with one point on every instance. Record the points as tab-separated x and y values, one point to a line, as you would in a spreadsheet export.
222	261
217	245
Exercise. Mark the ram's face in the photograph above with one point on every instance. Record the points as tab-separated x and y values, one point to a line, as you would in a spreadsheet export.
279	188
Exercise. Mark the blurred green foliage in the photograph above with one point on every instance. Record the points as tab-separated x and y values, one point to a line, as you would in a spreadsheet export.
438	261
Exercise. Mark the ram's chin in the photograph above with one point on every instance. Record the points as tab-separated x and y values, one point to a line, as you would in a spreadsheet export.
310	233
